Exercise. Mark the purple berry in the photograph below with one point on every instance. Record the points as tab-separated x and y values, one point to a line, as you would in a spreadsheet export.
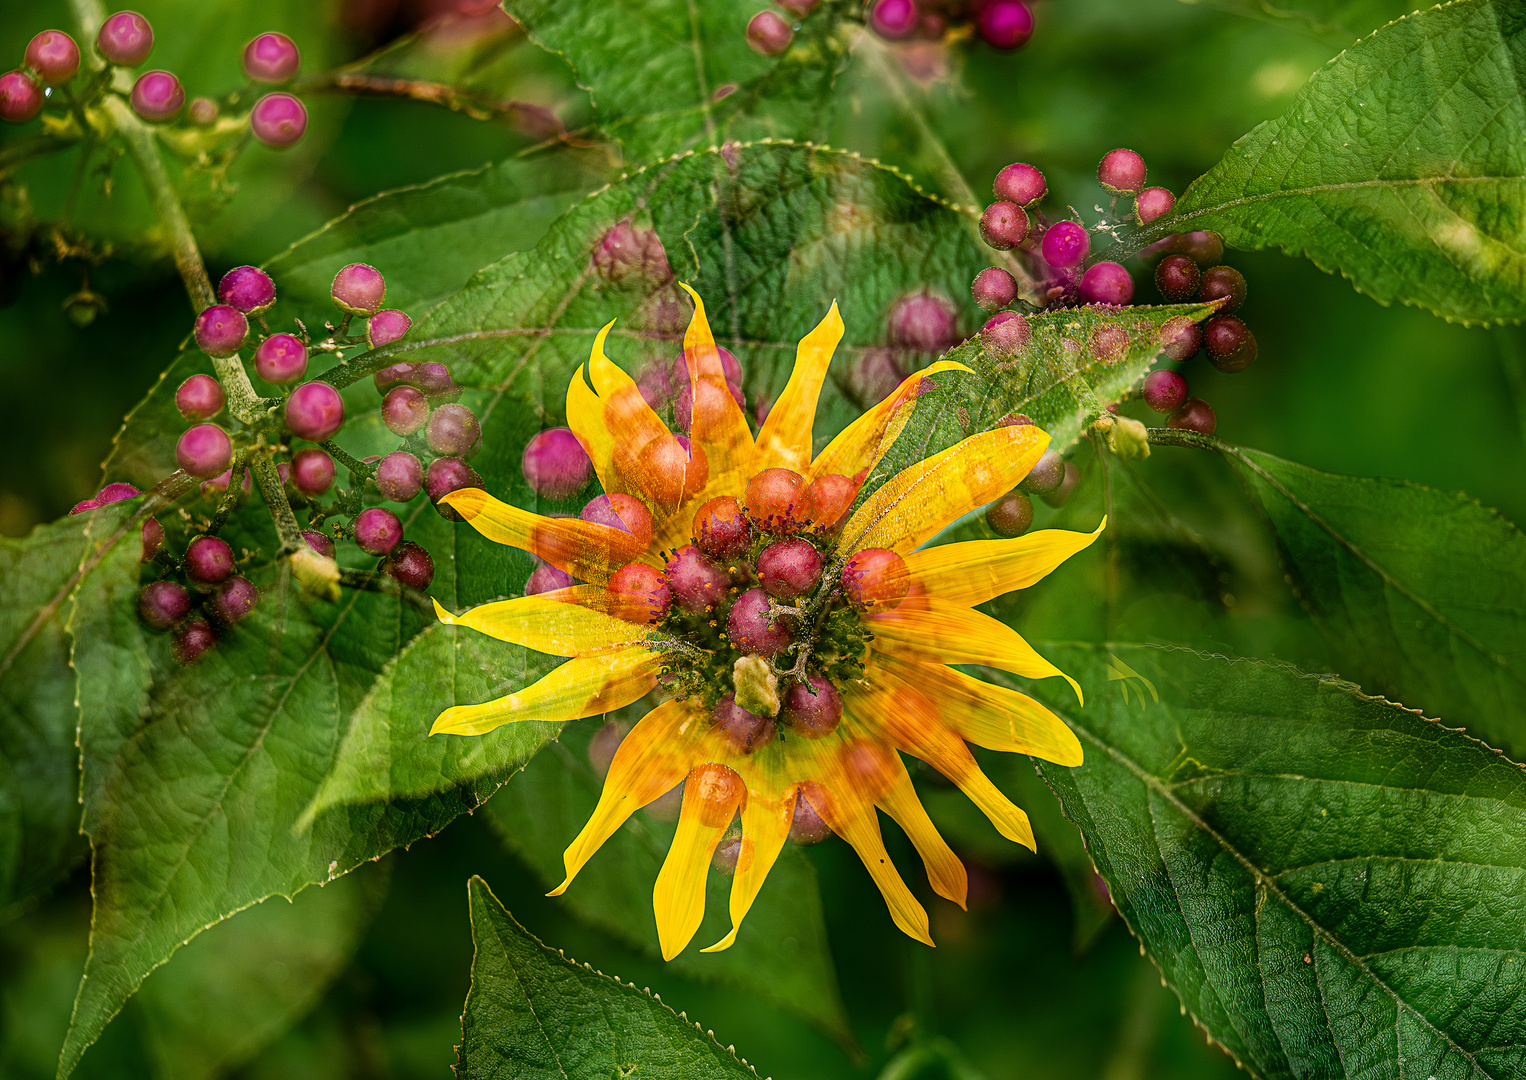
1152	203
1047	474
247	288
163	604
1164	390
235	600
400	476
386	327
323	545
404	410
281	358
1006	24
1066	244
125	38
278	120
202	112
199	398
393	374
744	731
1021	184
799	8
1177	276
53	57
555	464
410	565
434	381
221	330
271	58
358	289
1222	283
895	19
204	451
1010	515
768	34
750	629
314	411
1107	283
1195	414
1203	248
547	578
1230	345
1121	172
807	827
731	367
697	583
625	251
722	531
20	98
312	472
1180	337
116	493
153	539
812	709
924	322
445	475
789	568
219	484
157	95
378	531
1006	334
208	560
994	288
1004	225
452	430
193	641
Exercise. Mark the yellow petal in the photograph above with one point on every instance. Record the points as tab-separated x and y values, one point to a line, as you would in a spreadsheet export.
862	443
712	794
765	826
650	762
555	622
919	501
945	873
947	633
581	548
785	438
585	418
596	683
854	820
717	424
973	572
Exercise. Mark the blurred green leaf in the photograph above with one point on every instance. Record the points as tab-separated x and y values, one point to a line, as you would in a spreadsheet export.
1400	165
1332	884
532	1012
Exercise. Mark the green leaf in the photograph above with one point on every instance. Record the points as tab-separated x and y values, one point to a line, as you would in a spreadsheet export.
1400	165
532	1012
781	954
1332	884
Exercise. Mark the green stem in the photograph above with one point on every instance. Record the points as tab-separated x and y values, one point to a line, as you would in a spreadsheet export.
269	479
1165	436
359	468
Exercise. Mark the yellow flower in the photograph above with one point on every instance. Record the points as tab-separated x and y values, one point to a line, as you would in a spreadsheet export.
777	697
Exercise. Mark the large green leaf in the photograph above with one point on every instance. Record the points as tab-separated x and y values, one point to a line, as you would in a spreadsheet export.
1332	884
1400	165
532	1013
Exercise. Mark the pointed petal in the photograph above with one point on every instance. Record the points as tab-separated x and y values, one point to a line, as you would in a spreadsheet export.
944	633
945	873
553	622
650	762
973	572
850	817
585	418
785	438
582	687
862	443
717	424
581	548
765	826
712	794
919	501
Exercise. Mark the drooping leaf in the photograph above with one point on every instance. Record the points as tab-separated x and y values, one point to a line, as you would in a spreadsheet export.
533	1013
1331	883
1400	165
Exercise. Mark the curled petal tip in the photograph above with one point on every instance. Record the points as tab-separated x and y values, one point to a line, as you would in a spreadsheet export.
443	615
560	888
725	942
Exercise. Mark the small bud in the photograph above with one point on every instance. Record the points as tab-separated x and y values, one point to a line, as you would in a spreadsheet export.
445	475
1057	497
775	500
126	38
53	56
157	96
1177	276
807	827
202	112
1224	284
319	543
208	560
722	531
876	579
153	538
768	34
404	410
163	603
924	322
452	431
697	584
1128	438
399	476
271	58
1230	345
1180	337
318	574
278	120
1204	248
235	600
789	568
641	592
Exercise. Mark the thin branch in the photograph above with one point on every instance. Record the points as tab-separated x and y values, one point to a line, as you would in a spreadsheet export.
530	119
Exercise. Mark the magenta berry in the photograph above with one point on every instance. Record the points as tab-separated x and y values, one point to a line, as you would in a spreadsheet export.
319	543
789	568
1046	475
1177	276
20	98
1151	203
410	565
807	827
1164	390
314	411
278	120
994	288
193	641
1020	183
221	330
247	288
1010	515
874	374
742	730
1006	334
163	604
1004	225
125	38
1066	244
358	289
750	628
1230	345
204	451
405	411
1005	24
923	321
1203	248
1180	337
271	58
445	475
697	584
312	472
721	530
378	531
208	560
235	600
116	493
199	398
547	578
387	326
281	358
1225	284
895	19
1107	283
1121	172
157	95
452	430
400	476
555	464
53	57
1195	414
219	483
812	708
769	34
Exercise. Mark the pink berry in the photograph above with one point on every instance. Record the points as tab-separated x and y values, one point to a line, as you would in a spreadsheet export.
994	288
769	34
445	475
163	603
157	95
378	531
697	584
199	398
744	731
281	358
193	641
399	476
1004	225
20	98
627	251
1151	203
387	326
314	411
247	288
1006	24
358	289
204	451
555	465
208	560
895	19
1106	283
1180	337
923	321
546	578
1066	244
1121	172
452	430
617	510
83	505
153	539
125	38
278	120
53	56
271	58
434	381
721	530
1164	390
319	543
235	600
404	410
312	471
750	628
807	827
874	374
812	708
221	330
1021	184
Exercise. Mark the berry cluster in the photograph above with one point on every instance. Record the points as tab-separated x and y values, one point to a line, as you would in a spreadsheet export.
125	40
1001	24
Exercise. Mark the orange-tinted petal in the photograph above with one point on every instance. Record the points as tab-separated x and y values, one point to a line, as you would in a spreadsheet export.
765	827
920	500
581	548
973	572
712	794
785	438
554	622
945	873
861	444
585	418
716	424
582	687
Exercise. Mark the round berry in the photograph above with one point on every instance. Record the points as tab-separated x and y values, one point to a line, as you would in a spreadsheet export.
873	376
625	251
358	289
1004	225
547	578
789	568
697	584
1222	283
163	604
281	358
1010	515
751	630
742	730
875	579
20	98
445	475
153	538
775	500
1057	497
221	330
1006	334
393	374
434	381
1006	24
1177	276
769	34
1230	344
1020	183
731	367
924	322
247	288
193	641
1204	248
400	476
202	111
827	500
378	531
722	531
812	708
204	451
387	326
1195	414
641	593
1121	172
617	510
315	411
235	600
320	543
199	398
157	95
452	430
116	493
1180	337
312	472
208	560
807	827
1107	283
1164	390
410	565
895	19
125	38
1066	244
53	57
1046	475
555	464
994	288
404	410
278	120
271	58
219	483
1151	203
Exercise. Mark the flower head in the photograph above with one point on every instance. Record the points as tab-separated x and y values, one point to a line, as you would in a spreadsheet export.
801	649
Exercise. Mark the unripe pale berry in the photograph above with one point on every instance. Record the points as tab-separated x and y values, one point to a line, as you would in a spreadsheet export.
1223	283
312	472
1230	345
125	38
722	531
789	568
358	289
314	411
1010	515
555	465
221	330
1020	183
895	19
204	451
1046	475
1004	225
616	510
378	531
641	592
807	827
1177	276
20	97
1180	337
547	578
750	628
1164	390
994	288
875	579
202	112
1151	203
742	730
812	708
278	120
235	600
1006	334
1204	248
193	641
827	500
775	500
1107	283
410	565
163	603
697	584
1006	24
53	57
271	58
199	398
1066	244
445	475
924	322
281	358
1195	414
157	95
247	288
768	34
404	410
1121	172
208	560
452	430
320	543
